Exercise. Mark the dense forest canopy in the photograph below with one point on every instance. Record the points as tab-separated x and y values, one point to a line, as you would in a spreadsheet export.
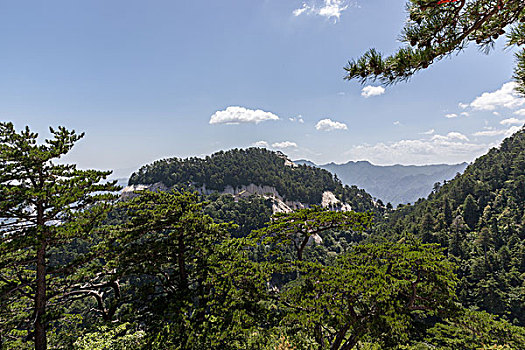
174	269
259	166
480	218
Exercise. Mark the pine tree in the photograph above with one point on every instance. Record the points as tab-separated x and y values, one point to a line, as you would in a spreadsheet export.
470	212
427	226
437	29
447	212
43	207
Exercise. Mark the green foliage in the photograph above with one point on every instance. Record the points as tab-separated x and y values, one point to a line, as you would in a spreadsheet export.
181	277
166	244
121	337
480	223
161	274
435	30
372	292
300	227
257	166
470	212
476	330
248	214
44	207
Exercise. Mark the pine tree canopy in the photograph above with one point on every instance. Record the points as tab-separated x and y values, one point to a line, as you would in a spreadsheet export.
44	207
436	29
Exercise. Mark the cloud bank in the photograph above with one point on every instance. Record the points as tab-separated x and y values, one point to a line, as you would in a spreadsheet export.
512	121
284	144
506	97
431	149
505	132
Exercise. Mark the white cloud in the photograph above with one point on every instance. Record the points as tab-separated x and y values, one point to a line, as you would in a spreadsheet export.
465	114
422	151
463	105
301	10
451	115
261	144
520	112
450	136
330	125
397	122
506	97
506	132
489	133
511	121
428	132
512	130
298	118
284	144
369	91
333	8
456	135
237	115
324	8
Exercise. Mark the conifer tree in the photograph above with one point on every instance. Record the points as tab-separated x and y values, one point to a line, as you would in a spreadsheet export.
43	207
427	227
447	212
470	212
436	29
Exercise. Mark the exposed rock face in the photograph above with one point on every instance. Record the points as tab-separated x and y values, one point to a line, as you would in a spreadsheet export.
244	190
329	200
279	204
129	192
315	238
287	160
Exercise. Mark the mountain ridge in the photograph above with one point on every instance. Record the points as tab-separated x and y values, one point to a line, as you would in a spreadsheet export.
395	184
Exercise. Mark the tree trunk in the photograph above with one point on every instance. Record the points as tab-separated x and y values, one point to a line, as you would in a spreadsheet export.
40	299
340	337
183	278
40	293
318	332
300	249
350	343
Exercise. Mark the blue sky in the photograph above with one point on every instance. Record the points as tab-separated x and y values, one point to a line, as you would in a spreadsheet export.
151	79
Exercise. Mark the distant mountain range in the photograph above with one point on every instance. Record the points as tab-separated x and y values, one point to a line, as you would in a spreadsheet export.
397	184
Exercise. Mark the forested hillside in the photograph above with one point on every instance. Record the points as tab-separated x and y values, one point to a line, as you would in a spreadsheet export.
178	270
479	217
242	167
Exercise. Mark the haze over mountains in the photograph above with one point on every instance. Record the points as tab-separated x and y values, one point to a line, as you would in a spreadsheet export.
397	184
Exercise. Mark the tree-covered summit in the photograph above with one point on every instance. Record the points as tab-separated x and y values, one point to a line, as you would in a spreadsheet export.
242	167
